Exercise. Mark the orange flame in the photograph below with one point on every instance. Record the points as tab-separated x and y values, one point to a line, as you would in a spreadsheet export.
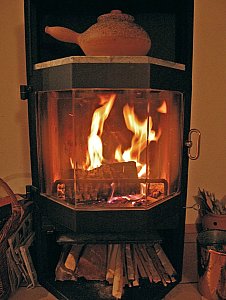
142	131
163	108
143	134
95	147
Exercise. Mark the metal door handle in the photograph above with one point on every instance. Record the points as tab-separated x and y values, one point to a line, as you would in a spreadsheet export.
189	143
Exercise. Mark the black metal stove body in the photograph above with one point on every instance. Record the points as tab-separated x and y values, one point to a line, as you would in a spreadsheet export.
64	96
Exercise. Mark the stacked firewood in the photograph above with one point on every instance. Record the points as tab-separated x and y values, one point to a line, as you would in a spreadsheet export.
120	265
129	263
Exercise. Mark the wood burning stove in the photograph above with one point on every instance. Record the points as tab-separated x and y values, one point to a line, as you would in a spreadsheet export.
108	154
109	148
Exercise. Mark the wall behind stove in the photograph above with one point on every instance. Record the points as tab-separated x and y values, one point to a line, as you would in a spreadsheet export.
209	100
208	107
14	143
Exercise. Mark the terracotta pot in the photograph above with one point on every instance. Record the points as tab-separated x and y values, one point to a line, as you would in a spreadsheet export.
212	264
114	34
212	284
214	221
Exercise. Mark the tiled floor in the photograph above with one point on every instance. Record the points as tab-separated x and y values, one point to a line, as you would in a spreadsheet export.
186	290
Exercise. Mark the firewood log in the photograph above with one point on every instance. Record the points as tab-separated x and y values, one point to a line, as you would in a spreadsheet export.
129	263
165	262
140	265
135	266
111	263
117	289
155	275
157	263
96	184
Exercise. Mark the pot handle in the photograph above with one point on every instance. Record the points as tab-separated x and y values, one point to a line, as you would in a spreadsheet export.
63	34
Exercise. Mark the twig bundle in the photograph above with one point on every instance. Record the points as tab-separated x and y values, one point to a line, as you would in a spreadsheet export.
208	203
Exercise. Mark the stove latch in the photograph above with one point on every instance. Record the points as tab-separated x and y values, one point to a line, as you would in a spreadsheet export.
193	136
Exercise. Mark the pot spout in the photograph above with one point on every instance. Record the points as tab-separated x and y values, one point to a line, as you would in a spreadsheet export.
63	34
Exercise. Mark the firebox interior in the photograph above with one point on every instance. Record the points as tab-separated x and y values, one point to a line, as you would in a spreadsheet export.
110	148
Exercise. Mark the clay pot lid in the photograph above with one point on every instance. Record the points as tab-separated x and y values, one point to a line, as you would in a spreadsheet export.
116	15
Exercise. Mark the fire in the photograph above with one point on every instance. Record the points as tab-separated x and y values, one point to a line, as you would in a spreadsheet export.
143	134
95	147
163	108
142	171
142	131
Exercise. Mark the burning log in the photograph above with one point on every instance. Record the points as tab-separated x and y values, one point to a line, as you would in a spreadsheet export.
127	190
96	184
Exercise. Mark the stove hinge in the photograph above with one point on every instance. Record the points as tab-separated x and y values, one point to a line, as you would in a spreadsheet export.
25	90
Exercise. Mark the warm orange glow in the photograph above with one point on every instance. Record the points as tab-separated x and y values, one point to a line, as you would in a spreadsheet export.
163	108
143	134
95	147
142	172
142	131
72	163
